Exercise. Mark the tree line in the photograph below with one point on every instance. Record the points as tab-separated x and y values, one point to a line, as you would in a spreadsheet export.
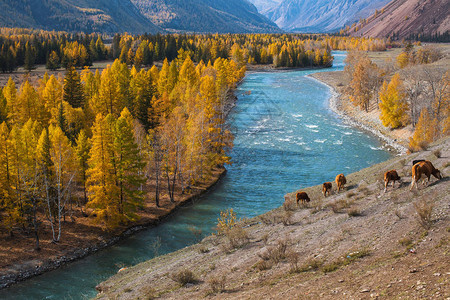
100	142
28	48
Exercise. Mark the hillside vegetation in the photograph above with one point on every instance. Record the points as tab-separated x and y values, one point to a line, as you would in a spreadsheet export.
361	243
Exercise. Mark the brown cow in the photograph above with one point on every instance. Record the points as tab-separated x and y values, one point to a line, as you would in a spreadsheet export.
424	168
340	181
326	188
303	197
390	176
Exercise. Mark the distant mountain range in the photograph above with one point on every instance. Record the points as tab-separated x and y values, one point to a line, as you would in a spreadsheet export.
316	15
136	16
407	18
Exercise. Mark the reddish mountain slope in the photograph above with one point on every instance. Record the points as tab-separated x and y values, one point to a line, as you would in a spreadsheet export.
404	18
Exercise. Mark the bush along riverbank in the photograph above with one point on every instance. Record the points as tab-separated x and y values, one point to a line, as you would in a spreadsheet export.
358	243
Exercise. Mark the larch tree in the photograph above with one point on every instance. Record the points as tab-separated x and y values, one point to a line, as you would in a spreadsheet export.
12	107
101	177
393	104
425	133
82	149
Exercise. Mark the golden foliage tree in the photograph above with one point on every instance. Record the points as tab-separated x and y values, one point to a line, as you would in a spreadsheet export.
393	104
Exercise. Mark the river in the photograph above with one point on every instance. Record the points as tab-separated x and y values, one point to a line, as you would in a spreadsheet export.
286	138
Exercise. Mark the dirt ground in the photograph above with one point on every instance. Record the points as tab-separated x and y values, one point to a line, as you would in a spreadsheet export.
362	243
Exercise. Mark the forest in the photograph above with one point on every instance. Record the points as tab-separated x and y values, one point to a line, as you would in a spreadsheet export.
106	142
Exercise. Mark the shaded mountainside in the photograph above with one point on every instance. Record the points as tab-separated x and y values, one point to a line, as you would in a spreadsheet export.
76	15
406	18
136	16
317	15
223	16
362	243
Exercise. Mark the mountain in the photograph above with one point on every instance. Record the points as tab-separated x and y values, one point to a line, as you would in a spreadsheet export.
76	15
223	16
136	16
318	15
405	18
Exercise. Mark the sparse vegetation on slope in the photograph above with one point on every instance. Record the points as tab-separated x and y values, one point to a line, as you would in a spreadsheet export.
323	254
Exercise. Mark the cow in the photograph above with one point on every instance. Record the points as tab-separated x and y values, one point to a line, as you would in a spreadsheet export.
423	168
303	197
390	176
417	161
326	188
340	181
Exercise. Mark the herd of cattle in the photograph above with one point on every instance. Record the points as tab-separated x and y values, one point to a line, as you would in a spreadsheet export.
420	167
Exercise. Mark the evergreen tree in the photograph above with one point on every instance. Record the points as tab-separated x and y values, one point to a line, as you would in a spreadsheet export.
30	57
73	89
129	167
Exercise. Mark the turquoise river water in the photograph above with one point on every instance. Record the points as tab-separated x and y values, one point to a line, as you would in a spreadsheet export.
286	139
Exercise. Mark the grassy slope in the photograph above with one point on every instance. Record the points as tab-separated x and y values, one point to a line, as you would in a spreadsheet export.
386	228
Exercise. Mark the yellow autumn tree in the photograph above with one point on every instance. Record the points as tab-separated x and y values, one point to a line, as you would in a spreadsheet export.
425	133
393	104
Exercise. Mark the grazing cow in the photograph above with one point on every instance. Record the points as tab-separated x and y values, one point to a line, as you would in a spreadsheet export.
424	168
326	188
417	161
303	197
340	181
390	176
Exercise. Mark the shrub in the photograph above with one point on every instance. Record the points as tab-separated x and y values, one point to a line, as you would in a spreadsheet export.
184	277
237	236
437	153
217	284
354	212
289	205
268	218
339	205
316	206
226	221
424	211
263	265
278	252
293	258
287	218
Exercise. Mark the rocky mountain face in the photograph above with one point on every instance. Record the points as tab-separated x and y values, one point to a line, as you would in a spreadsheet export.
407	18
233	16
136	16
317	15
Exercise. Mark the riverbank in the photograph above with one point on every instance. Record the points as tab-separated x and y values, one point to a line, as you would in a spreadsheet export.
20	264
362	243
396	140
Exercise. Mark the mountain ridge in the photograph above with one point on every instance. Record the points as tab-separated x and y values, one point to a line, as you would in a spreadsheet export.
136	16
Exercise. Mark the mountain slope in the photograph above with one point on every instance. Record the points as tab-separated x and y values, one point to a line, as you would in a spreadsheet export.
76	15
223	16
319	15
408	17
136	16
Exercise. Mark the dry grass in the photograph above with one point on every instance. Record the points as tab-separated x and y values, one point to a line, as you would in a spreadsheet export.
339	205
354	212
290	206
424	211
287	218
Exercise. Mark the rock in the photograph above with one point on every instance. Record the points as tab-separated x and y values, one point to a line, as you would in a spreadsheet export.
365	290
437	274
341	280
413	271
373	295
